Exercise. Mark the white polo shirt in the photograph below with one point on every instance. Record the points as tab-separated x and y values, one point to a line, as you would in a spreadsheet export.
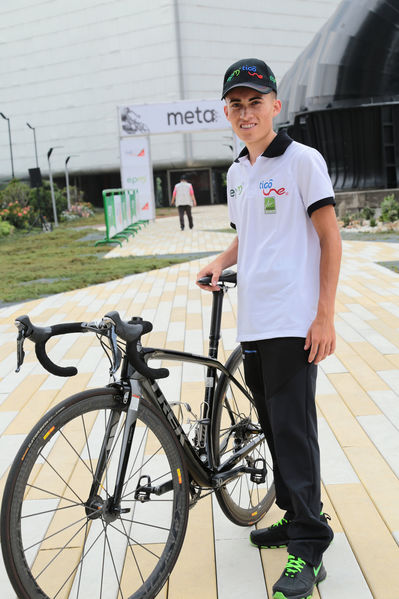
270	204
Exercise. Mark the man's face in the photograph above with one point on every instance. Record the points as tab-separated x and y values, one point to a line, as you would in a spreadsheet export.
251	113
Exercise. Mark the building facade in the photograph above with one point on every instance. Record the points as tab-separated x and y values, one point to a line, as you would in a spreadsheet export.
67	66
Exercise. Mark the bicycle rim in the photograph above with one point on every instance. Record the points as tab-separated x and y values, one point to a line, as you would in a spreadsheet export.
235	423
53	546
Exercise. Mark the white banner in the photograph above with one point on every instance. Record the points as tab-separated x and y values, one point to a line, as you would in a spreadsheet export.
172	117
136	173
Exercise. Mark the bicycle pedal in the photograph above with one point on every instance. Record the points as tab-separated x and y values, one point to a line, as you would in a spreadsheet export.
258	474
143	489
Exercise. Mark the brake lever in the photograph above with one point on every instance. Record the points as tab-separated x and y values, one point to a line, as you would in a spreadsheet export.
116	352
20	346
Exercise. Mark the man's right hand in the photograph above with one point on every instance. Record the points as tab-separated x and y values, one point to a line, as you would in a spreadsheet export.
214	270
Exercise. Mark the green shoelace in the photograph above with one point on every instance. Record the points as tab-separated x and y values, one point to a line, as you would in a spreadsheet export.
294	566
280	522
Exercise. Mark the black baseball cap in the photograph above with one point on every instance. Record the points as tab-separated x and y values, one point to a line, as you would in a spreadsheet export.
249	72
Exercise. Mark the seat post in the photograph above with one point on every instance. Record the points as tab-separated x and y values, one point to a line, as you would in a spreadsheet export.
216	318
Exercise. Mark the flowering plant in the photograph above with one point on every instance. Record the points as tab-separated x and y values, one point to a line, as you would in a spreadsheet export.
78	210
16	214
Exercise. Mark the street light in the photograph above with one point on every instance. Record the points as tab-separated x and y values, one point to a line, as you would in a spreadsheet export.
67	179
52	185
9	137
34	139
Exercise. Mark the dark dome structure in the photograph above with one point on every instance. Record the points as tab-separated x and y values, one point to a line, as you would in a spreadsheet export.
341	96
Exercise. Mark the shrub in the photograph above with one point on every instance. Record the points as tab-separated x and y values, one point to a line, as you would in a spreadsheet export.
346	219
5	228
389	209
368	212
41	200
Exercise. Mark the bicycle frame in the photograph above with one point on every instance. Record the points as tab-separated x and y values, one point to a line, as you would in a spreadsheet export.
133	385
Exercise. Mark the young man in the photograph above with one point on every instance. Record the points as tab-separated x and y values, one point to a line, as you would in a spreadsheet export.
288	252
183	197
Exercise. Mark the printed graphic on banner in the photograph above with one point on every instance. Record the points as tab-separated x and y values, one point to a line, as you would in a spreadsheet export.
136	173
184	116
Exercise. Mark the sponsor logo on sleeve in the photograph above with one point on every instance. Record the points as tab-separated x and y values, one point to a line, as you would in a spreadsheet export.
235	192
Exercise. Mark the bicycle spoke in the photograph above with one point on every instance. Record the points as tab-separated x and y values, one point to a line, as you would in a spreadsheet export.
144	524
135	541
133	555
113	562
59	551
56	509
55	533
63	480
80	561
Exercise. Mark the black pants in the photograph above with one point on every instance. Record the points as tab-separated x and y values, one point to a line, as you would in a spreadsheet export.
185	208
283	384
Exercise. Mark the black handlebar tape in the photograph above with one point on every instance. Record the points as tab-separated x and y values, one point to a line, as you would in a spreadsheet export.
40	347
131	333
138	363
40	336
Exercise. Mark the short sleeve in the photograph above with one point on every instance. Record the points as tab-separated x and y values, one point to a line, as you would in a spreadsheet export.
230	203
314	182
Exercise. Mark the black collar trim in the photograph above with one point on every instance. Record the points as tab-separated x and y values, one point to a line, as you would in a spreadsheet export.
277	148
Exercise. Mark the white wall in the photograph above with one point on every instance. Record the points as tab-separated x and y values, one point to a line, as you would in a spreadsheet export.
67	64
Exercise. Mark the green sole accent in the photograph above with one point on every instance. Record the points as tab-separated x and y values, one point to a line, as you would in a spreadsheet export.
280	595
266	546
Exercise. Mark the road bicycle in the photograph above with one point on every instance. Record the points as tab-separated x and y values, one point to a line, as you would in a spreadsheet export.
97	499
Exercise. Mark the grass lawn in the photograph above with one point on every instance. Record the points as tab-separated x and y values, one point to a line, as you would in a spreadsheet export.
37	264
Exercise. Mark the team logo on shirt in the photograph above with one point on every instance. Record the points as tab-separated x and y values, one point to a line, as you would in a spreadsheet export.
270	191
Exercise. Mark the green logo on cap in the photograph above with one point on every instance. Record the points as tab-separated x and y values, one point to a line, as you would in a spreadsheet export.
234	74
272	78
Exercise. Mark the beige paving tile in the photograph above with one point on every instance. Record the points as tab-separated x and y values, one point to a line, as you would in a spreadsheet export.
342	422
18	398
368	534
394	359
31	412
365	376
195	571
375	359
353	394
380	482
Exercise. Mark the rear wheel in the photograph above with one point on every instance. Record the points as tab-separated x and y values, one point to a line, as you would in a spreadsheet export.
60	540
235	424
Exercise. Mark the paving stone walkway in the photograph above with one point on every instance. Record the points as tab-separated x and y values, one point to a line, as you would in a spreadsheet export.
357	397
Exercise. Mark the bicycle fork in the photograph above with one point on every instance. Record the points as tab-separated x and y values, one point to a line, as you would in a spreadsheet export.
95	506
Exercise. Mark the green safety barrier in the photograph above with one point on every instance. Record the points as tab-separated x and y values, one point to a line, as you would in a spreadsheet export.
120	213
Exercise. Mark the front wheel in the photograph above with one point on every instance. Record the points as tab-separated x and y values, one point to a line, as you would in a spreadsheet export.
61	539
235	423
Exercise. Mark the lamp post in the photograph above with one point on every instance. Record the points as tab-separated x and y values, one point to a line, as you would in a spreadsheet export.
67	179
52	185
9	137
34	139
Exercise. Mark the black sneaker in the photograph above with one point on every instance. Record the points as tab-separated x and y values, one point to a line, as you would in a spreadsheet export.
276	535
298	579
272	537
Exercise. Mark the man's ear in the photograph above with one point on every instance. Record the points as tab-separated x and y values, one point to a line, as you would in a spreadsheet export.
226	112
276	107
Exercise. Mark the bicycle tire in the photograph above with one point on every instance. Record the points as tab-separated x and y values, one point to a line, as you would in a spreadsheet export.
242	501
52	544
